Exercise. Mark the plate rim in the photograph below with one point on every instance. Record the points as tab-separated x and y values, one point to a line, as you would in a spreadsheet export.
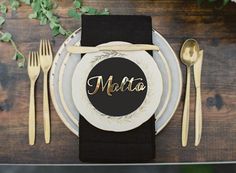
180	83
51	79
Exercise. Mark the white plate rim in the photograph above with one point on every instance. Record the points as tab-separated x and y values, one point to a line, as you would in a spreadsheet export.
180	83
51	84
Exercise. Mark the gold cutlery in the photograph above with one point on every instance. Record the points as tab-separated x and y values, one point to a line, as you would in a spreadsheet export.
122	47
45	54
189	55
33	72
197	68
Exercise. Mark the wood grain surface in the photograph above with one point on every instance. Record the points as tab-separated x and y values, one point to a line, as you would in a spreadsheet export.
176	20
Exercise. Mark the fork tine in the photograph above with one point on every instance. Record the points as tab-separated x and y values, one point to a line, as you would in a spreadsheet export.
33	58
44	48
37	58
49	48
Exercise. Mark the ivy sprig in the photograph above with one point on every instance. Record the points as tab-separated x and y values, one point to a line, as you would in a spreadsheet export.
78	9
42	10
7	37
224	2
18	56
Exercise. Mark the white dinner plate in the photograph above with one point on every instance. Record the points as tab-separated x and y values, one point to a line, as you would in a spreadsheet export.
128	121
65	63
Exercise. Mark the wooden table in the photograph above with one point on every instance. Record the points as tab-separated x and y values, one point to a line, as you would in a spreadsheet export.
177	20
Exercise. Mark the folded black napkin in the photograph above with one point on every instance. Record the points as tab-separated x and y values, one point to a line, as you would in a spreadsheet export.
137	145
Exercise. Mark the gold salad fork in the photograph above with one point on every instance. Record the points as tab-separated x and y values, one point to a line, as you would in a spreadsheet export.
33	72
45	55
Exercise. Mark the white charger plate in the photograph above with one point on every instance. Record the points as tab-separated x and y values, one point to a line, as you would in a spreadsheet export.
65	63
128	121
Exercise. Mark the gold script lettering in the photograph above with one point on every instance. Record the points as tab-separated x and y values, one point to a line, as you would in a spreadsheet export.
110	87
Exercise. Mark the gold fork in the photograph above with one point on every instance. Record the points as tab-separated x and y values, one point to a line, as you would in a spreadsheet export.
33	71
45	55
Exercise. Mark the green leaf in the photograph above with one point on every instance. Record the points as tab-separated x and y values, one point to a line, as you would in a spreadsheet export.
43	21
20	59
21	64
49	14
3	9
6	37
225	2
17	56
77	4
26	1
62	31
33	15
55	31
84	9
104	12
200	2
14	4
2	20
36	6
92	11
73	13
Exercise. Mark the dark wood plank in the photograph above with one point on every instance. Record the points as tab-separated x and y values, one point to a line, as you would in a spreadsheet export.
176	20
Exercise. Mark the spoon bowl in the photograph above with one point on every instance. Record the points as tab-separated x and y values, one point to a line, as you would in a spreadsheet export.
189	52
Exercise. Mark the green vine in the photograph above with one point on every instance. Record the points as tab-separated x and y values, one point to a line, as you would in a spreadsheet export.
78	10
42	11
222	2
18	56
7	37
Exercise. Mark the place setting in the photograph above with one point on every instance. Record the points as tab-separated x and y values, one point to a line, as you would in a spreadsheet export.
116	83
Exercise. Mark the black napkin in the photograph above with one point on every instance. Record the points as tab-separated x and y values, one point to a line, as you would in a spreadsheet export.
137	145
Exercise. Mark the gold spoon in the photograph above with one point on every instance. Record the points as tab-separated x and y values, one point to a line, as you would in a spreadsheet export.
188	55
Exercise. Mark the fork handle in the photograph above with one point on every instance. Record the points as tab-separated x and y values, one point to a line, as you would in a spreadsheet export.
32	115
46	114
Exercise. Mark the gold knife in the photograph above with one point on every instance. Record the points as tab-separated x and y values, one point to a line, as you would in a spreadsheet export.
122	47
197	68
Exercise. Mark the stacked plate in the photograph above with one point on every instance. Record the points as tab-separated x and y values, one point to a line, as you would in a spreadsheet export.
65	66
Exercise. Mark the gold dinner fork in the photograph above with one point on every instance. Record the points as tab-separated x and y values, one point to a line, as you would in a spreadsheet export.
45	55
33	71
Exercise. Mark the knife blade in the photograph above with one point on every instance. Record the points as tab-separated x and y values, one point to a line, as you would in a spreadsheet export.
197	68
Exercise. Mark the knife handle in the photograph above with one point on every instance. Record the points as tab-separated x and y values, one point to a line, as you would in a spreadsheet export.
131	47
198	116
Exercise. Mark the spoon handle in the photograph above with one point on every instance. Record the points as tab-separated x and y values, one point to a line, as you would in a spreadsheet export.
185	121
